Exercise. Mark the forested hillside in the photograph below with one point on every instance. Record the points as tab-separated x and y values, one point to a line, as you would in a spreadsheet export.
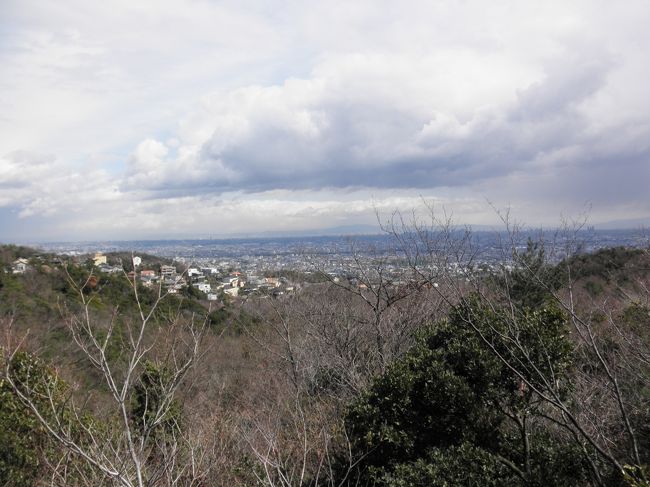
529	373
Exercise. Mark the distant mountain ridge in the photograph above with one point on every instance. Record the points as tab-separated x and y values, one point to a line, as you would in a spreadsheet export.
628	224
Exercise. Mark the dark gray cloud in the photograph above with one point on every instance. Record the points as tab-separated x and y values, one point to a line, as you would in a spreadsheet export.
320	133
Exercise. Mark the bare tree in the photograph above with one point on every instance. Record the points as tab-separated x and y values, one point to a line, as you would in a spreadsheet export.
140	440
607	416
326	343
299	439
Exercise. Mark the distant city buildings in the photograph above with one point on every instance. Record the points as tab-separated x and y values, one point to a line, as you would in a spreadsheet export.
276	267
110	269
167	271
204	287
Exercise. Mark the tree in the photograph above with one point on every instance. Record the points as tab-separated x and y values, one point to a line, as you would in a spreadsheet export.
531	277
25	446
451	412
151	395
606	416
136	441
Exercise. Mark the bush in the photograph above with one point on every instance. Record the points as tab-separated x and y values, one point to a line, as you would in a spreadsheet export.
448	412
24	443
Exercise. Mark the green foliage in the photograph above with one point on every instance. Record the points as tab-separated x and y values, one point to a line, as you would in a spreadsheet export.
617	262
635	326
530	282
224	320
10	285
192	292
153	411
24	442
441	415
125	259
432	397
594	288
9	253
636	318
218	317
465	465
298	276
231	320
634	476
245	321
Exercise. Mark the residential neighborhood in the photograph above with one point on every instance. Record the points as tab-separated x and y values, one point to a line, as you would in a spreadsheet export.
210	280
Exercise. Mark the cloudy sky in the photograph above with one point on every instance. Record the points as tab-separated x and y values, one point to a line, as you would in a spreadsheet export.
162	118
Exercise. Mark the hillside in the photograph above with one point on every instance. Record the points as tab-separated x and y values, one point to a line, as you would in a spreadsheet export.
392	385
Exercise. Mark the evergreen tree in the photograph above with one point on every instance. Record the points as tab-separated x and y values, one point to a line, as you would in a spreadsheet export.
451	413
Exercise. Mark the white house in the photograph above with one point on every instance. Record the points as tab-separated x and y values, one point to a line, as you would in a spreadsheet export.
19	266
204	287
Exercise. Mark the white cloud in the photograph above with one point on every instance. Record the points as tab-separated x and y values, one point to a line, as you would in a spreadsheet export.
388	121
158	109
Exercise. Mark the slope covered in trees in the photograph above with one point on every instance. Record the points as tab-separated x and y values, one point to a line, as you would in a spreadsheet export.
531	374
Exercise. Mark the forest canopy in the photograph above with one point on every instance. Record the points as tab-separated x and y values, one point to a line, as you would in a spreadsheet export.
534	372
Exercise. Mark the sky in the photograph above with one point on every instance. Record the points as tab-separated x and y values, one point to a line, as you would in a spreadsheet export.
165	118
